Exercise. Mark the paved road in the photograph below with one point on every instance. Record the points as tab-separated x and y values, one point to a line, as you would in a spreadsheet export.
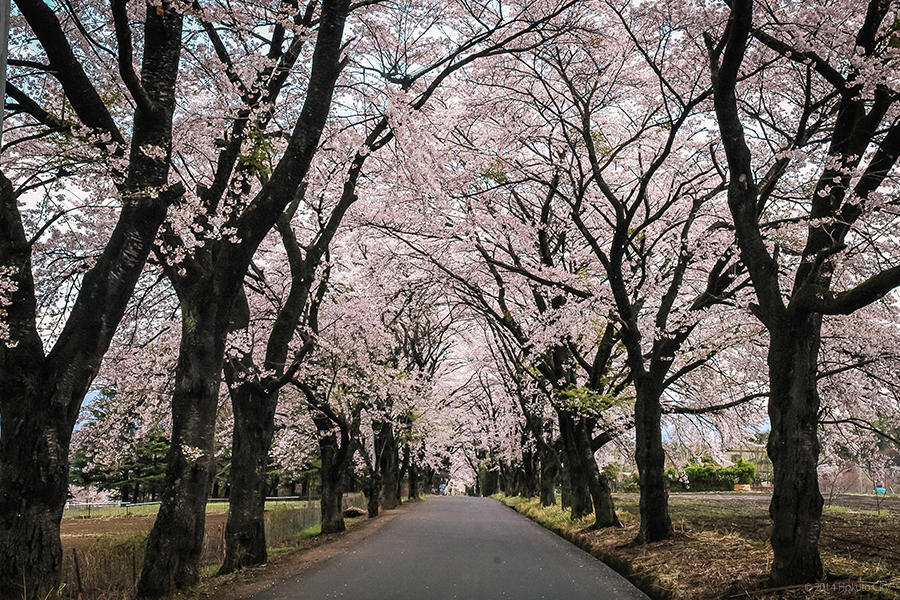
459	548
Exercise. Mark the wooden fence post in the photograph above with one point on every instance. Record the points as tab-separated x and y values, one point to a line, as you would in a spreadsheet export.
77	574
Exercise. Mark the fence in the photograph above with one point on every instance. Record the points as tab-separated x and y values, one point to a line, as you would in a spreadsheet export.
104	567
89	510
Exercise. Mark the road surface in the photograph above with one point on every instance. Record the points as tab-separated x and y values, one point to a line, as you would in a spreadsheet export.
459	548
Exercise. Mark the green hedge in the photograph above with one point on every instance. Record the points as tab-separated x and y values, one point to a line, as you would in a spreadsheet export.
708	475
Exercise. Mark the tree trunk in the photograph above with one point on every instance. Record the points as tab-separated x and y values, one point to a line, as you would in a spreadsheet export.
402	473
374	483
565	493
604	507
793	447
172	559
506	479
254	424
549	464
490	482
651	461
413	480
428	478
41	394
388	455
579	494
372	491
332	480
33	484
530	475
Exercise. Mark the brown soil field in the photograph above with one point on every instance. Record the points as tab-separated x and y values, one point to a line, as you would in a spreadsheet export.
77	532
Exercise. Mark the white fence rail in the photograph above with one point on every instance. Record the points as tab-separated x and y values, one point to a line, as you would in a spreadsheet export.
111	509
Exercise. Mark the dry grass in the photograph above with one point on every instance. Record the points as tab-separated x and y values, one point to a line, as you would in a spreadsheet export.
721	550
110	549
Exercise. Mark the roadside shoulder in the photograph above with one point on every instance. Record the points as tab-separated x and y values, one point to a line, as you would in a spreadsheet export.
291	563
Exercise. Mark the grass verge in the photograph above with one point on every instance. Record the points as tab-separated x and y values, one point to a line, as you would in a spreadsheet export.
721	550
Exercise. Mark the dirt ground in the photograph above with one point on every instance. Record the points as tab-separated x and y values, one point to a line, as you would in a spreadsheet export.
760	501
859	532
248	582
721	547
110	556
75	532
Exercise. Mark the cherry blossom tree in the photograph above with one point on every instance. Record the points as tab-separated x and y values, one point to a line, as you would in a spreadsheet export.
613	212
413	76
482	253
834	197
46	373
207	252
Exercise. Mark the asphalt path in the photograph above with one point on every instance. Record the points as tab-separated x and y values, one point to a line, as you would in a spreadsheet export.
459	548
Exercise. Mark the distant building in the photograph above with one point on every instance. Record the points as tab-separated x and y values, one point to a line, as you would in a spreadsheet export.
855	480
755	453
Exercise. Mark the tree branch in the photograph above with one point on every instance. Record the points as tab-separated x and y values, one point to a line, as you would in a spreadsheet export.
125	57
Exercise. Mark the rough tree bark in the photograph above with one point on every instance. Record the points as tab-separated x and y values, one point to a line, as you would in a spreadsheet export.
373	483
245	538
172	558
549	470
793	447
390	468
403	471
208	290
42	393
578	493
656	524
254	404
604	507
529	485
795	327
413	480
335	454
373	487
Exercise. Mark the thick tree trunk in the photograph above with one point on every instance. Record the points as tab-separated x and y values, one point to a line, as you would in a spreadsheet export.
428	477
604	507
373	483
530	484
172	558
390	468
651	461
33	483
207	292
549	469
489	484
578	493
330	503
332	482
402	473
506	478
372	492
793	447
41	394
254	424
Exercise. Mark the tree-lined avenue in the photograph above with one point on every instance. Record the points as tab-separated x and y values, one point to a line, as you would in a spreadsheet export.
463	548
